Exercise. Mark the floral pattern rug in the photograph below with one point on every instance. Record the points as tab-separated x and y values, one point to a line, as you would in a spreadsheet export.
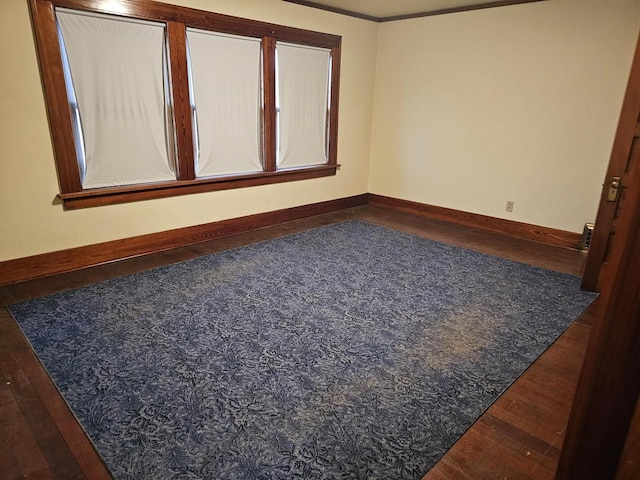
349	351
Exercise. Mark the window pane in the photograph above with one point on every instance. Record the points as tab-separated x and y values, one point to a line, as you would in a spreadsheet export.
76	124
302	97
117	70
226	87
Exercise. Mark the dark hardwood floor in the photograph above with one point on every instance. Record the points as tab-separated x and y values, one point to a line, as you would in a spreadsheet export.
519	437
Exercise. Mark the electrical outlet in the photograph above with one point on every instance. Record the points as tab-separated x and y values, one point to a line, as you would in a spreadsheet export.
509	206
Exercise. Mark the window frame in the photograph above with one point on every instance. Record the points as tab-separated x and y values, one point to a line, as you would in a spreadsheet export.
177	19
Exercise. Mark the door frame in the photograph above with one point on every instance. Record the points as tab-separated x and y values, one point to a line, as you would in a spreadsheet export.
623	141
609	382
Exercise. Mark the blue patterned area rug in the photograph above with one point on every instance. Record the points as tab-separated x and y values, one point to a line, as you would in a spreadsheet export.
349	351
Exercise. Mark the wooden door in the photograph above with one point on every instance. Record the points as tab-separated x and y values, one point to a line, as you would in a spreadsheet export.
609	382
625	157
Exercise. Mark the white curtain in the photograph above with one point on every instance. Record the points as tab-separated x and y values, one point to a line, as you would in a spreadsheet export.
226	86
117	70
302	100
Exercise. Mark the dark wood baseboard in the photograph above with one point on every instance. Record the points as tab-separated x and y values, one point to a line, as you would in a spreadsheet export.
46	264
550	236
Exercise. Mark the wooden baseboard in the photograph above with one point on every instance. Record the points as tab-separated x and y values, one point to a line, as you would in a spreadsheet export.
550	236
46	264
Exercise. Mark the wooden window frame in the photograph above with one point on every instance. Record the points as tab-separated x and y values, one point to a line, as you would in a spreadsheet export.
177	19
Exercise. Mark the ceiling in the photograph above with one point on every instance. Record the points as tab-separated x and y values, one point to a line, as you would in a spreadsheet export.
384	9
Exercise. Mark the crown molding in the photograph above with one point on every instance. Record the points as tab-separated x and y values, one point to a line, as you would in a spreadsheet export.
430	13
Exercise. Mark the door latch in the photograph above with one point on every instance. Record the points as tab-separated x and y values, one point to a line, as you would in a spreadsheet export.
614	189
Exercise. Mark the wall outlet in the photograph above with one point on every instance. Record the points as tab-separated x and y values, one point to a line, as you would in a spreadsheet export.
509	206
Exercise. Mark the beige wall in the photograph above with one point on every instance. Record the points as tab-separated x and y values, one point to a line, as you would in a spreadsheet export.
471	110
517	103
31	224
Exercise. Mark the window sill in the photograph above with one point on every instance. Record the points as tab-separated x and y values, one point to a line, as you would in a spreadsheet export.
132	193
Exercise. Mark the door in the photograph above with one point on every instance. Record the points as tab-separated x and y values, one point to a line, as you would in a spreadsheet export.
609	383
625	157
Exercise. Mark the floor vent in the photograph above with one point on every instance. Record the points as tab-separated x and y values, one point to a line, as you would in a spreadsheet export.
587	233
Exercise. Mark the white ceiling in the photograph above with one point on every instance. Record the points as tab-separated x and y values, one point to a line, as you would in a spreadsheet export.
391	8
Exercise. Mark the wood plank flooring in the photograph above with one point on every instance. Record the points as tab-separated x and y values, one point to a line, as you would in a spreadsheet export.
519	437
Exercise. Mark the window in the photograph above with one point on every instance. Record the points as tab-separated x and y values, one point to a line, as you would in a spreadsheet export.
226	89
163	100
117	69
302	99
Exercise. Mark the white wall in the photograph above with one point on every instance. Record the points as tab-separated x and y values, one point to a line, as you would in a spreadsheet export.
31	224
515	103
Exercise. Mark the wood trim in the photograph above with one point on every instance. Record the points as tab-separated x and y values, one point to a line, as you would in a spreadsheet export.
269	89
429	13
112	196
52	76
191	17
341	11
620	151
46	264
177	38
550	236
609	383
334	100
445	11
